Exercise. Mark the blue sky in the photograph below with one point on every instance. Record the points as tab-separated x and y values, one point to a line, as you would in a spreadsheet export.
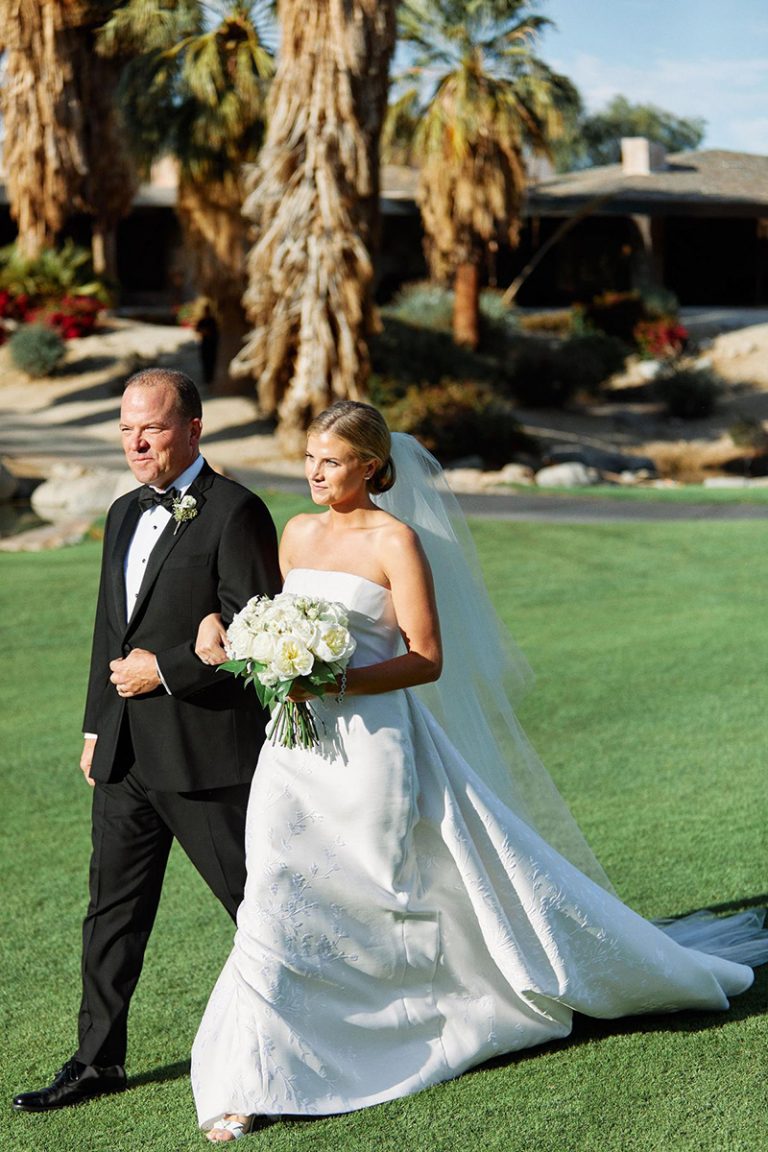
705	58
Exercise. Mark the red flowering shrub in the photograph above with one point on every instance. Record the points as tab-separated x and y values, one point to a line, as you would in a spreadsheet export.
73	316
14	307
660	339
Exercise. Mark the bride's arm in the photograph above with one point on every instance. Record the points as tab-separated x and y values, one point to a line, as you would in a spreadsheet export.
413	595
209	645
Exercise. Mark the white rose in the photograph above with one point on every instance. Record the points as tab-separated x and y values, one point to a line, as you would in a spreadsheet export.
262	647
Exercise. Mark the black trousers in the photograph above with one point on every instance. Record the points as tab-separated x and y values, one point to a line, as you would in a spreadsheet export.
133	828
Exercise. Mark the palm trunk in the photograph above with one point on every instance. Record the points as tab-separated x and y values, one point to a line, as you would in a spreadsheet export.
313	200
232	330
104	252
466	305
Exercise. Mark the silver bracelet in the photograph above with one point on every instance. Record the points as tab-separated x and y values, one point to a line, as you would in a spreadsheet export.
343	687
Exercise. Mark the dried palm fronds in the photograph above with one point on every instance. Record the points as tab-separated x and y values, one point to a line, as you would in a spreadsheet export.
312	198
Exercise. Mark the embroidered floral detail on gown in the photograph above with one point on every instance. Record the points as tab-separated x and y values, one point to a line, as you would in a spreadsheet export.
400	925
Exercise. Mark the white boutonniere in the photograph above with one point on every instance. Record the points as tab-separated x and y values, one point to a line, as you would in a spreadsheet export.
184	508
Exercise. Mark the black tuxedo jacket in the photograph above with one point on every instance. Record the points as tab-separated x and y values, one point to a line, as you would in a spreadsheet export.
208	731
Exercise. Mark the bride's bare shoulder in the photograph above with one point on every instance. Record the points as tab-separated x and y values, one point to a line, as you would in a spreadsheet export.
396	537
297	536
303	525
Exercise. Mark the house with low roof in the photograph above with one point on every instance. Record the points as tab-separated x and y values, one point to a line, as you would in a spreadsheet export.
694	222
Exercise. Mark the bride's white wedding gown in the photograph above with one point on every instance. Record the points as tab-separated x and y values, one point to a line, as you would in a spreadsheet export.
401	925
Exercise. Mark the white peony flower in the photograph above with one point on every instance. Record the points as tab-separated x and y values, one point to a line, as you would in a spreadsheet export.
333	643
291	657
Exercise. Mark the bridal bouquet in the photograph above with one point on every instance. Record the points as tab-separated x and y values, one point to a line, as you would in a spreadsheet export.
289	640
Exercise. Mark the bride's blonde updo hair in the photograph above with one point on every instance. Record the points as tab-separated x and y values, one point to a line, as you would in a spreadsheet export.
365	430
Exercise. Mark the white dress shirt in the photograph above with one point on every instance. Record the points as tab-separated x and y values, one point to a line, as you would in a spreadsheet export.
151	524
146	535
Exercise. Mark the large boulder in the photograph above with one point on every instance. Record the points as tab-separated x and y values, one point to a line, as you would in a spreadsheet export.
72	492
125	482
570	475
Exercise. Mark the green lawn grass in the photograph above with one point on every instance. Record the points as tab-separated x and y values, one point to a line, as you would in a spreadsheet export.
686	494
649	643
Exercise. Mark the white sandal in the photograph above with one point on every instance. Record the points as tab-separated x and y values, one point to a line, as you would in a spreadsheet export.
238	1128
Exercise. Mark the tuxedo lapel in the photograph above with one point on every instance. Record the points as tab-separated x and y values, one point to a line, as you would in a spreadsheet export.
122	541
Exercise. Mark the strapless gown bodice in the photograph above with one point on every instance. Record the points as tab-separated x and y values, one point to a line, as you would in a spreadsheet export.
400	924
369	605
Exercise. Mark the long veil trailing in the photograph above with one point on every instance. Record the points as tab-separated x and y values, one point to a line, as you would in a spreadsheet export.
484	672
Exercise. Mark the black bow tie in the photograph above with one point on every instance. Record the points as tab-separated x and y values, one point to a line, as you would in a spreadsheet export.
148	498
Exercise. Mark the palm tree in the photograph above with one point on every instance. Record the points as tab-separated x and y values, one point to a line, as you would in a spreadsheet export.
312	198
63	148
196	88
473	102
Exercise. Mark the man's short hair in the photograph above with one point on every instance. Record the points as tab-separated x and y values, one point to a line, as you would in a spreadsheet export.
188	402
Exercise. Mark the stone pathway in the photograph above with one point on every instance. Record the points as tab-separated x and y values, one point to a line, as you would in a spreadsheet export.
72	418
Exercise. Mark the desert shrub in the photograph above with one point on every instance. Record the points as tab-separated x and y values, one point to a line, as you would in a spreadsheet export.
559	322
430	307
659	303
616	314
688	392
591	358
36	349
423	305
548	374
454	420
540	377
54	273
55	288
403	354
746	432
498	323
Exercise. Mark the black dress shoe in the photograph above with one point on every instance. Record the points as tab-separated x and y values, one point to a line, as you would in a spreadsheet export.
72	1084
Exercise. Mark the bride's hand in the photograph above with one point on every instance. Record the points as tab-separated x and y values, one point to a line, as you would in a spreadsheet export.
209	645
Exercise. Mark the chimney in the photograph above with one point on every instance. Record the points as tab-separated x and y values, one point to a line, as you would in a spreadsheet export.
640	156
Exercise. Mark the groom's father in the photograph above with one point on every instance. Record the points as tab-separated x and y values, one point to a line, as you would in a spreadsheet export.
170	743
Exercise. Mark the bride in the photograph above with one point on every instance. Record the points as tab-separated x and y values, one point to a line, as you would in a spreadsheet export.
418	898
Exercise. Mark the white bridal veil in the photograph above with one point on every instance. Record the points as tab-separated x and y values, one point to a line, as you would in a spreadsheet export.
484	672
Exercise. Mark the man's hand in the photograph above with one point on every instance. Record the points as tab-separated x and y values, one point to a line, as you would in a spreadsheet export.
136	674
87	759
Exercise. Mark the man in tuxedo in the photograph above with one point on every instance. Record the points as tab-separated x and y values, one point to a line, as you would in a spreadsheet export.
170	743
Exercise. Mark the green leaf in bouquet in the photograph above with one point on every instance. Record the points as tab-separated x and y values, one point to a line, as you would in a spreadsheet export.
320	678
236	667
